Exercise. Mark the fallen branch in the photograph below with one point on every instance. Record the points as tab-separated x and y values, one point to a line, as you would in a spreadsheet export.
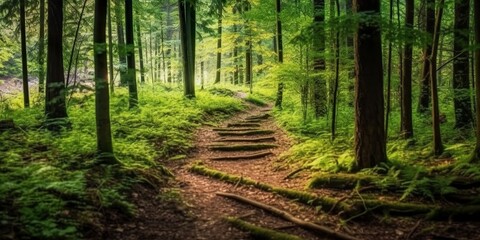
259	139
289	217
251	156
293	173
260	232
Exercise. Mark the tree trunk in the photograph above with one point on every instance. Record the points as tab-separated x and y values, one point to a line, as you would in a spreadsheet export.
461	81
389	71
110	47
102	101
41	50
121	44
337	75
476	6
219	43
26	95
130	50
406	81
187	32
370	148
248	50
140	51
424	99
437	138
319	83
278	8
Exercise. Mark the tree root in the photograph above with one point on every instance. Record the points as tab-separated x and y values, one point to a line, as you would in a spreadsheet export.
259	139
289	217
307	198
260	232
234	129
251	156
242	147
243	125
245	133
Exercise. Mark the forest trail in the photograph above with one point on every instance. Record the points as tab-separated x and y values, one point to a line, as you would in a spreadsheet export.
253	127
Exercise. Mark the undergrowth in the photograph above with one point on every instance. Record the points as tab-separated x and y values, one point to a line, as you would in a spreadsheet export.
50	187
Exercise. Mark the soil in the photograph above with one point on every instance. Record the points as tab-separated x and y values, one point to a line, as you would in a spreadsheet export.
189	208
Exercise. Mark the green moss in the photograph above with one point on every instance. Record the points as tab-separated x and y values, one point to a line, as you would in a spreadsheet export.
339	180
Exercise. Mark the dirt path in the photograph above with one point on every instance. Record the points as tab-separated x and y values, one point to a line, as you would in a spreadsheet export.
199	191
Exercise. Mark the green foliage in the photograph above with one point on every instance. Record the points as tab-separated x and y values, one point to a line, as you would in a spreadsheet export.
255	100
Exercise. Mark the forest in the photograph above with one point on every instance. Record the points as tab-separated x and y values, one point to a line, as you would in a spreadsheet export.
239	119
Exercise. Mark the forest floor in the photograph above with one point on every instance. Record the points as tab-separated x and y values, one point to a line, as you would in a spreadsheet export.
190	208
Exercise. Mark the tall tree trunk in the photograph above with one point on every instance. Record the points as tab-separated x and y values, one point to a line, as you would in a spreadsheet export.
202	76
370	146
389	71
122	53
41	50
102	101
110	47
219	42
187	32
406	81
319	83
140	51
461	81
437	138
26	95
55	107
337	75
248	50
278	8
476	6
424	100
130	50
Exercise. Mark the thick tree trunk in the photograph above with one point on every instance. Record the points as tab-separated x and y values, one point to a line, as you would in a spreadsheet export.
130	50
370	148
102	101
319	83
41	50
187	32
55	107
461	81
26	95
406	126
437	138
279	41
424	98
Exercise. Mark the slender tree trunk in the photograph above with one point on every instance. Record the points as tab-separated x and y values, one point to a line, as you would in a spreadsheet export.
437	138
55	107
370	146
406	81
319	83
278	8
461	81
121	44
26	95
41	50
187	32
75	40
102	101
202	76
248	50
389	71
219	43
140	52
424	101
130	50
110	47
337	75
476	6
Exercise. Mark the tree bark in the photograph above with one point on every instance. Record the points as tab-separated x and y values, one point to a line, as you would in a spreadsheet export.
319	83
406	126
41	50
370	146
476	6
130	50
140	52
424	98
55	107
187	32
279	41
110	48
461	81
102	101
219	43
121	44
26	95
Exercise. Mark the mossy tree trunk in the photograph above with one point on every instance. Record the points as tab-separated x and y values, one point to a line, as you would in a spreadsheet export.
424	98
319	95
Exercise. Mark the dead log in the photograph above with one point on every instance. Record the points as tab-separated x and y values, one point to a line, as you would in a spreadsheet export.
259	139
289	217
260	232
250	156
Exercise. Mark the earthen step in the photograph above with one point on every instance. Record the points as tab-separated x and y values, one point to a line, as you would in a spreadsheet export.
248	156
241	147
259	139
243	124
245	133
234	129
256	117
